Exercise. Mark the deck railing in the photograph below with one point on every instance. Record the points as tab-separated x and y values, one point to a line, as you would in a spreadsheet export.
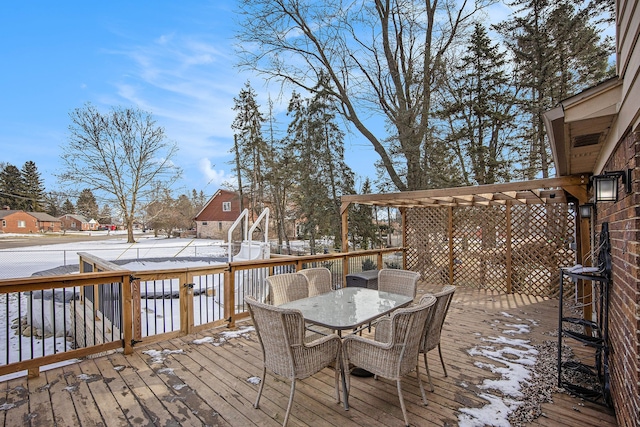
53	319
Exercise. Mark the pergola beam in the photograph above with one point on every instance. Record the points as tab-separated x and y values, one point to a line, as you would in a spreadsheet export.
549	190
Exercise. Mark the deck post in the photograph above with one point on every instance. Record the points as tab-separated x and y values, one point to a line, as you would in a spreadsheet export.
344	213
403	218
508	252
450	236
229	297
128	314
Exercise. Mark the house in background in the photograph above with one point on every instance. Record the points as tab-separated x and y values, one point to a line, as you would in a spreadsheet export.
17	221
72	222
46	223
217	215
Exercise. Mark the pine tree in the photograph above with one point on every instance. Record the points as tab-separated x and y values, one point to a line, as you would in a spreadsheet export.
250	148
32	188
479	113
279	181
557	53
332	170
68	208
11	188
86	204
361	223
317	142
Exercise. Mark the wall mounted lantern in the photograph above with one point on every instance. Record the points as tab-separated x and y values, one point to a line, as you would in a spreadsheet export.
606	185
585	210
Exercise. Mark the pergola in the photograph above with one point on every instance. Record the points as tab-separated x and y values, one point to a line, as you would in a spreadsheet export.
509	196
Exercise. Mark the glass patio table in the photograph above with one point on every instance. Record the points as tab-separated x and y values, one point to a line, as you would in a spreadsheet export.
347	309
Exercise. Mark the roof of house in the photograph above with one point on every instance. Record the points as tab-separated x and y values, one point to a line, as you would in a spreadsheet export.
76	217
223	195
42	216
7	212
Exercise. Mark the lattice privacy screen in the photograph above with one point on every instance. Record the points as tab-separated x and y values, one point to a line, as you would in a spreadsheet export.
517	248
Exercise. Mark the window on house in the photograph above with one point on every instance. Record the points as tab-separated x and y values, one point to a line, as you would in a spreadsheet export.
4	223
22	224
226	206
204	222
220	226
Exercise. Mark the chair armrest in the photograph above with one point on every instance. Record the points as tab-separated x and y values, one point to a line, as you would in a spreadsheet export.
322	339
382	331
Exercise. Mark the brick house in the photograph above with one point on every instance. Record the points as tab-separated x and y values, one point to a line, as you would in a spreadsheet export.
595	132
78	223
17	221
217	215
46	223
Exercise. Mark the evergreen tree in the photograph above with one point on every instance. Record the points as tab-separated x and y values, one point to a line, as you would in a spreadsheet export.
86	204
361	223
279	181
68	208
479	113
332	170
250	148
557	53
32	188
317	142
11	192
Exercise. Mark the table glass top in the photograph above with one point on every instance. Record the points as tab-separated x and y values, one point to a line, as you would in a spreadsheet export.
348	308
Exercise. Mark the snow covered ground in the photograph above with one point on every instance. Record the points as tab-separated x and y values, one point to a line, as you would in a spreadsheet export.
162	315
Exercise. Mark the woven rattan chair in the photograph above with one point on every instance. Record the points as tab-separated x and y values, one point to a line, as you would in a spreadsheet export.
287	287
395	357
284	351
396	281
433	332
319	280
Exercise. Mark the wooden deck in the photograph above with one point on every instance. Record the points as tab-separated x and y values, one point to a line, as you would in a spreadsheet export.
203	379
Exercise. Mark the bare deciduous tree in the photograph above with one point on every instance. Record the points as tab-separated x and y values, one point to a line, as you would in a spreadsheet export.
122	153
384	59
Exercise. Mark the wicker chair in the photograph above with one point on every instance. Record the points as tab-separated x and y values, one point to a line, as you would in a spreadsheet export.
432	334
284	350
396	281
287	287
395	357
319	280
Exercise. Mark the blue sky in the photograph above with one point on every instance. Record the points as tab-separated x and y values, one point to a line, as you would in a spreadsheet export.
174	59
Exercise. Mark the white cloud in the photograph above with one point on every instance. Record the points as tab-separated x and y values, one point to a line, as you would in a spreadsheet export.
213	176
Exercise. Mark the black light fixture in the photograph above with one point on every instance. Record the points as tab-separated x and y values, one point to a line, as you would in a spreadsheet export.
585	210
606	185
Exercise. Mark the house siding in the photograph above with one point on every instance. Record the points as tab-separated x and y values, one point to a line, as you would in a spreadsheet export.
9	222
624	305
212	222
77	223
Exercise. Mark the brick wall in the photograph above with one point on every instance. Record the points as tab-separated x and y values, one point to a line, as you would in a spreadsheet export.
624	309
19	222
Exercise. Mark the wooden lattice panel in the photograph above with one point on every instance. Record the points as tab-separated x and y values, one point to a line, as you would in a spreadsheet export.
428	244
475	243
541	244
479	234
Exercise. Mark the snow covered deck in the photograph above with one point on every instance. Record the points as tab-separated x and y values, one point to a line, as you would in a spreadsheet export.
493	345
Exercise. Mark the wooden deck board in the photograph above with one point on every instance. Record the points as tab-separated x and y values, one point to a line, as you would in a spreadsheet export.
200	383
64	412
40	402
